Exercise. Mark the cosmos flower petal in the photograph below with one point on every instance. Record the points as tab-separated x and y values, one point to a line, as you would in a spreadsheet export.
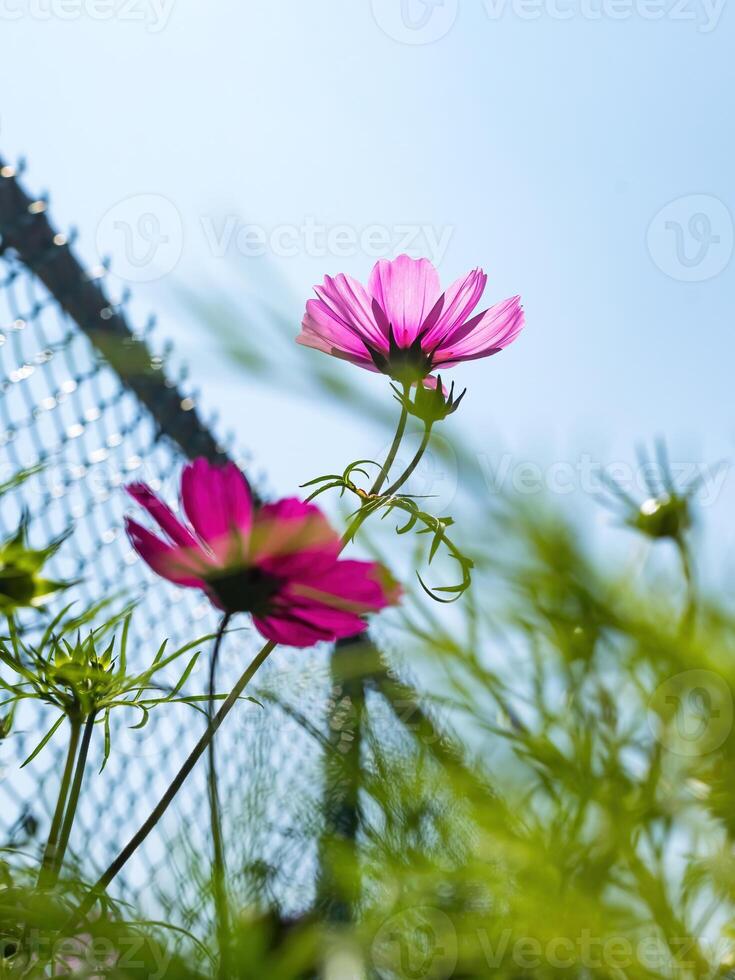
218	502
350	302
172	562
289	527
459	301
407	290
298	564
485	334
326	324
175	529
290	633
239	498
355	586
335	623
328	602
303	623
339	622
322	330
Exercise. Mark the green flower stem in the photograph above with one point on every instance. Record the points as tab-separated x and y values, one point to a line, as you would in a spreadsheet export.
393	451
218	855
49	855
412	465
365	511
163	804
71	809
687	620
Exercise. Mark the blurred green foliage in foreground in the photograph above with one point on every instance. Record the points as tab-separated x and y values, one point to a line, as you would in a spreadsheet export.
578	822
559	801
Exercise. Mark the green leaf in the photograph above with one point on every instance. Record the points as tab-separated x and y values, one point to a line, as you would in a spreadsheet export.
321	479
108	741
122	667
185	676
144	719
438	538
20	477
44	741
328	486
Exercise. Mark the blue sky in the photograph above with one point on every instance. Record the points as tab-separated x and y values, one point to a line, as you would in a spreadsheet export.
579	150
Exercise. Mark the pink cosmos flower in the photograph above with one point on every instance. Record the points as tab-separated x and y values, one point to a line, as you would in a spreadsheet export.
403	324
279	562
82	956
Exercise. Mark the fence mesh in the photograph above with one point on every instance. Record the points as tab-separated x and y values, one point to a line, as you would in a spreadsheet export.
74	399
92	402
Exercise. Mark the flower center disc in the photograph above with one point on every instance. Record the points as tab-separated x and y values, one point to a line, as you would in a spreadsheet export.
245	590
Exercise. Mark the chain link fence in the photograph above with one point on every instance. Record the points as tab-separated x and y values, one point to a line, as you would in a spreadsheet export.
91	401
94	404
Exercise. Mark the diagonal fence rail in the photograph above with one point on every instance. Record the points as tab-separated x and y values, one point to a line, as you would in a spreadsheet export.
89	399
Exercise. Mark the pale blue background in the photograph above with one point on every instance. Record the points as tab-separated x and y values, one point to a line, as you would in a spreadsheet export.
547	145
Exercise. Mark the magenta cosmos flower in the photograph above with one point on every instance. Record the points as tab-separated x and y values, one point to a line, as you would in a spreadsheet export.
403	324
279	562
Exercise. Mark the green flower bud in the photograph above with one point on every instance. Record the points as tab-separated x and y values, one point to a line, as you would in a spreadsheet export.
22	584
430	403
665	516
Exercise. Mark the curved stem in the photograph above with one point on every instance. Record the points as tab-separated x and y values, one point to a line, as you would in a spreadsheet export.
163	804
73	803
49	855
687	619
393	451
218	855
412	465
